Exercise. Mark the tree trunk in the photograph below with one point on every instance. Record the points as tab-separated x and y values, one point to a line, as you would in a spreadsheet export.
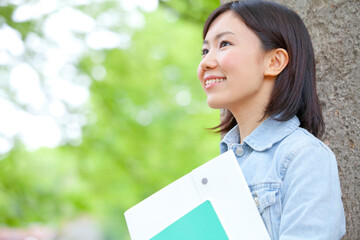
335	31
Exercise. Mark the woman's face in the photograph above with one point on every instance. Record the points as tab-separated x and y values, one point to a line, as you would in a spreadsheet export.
232	67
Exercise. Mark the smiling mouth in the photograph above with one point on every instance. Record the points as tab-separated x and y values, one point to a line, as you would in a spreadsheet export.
210	82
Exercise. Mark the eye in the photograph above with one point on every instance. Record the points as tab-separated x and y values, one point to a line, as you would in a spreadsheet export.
204	51
224	44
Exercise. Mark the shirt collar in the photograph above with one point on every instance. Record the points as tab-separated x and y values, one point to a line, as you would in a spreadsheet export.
264	136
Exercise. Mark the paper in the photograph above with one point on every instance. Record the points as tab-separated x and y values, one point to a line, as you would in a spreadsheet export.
219	181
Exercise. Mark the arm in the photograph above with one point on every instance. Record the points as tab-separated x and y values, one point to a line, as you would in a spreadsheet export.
312	207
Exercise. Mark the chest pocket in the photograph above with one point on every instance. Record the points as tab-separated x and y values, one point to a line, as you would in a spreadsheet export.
267	200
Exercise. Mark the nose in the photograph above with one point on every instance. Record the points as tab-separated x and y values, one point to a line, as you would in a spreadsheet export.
208	62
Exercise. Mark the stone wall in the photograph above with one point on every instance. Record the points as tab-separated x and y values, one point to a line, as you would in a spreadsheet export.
334	26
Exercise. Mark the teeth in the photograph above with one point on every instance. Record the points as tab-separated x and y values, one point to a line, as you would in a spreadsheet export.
216	80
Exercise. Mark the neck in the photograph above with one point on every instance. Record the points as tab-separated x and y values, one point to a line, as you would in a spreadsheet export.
248	120
250	114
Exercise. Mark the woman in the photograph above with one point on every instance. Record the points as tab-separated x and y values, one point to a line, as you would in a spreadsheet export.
258	64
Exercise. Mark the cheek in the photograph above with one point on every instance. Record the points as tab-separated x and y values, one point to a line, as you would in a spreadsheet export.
200	73
230	60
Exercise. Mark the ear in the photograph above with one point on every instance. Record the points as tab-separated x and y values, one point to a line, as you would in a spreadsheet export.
277	60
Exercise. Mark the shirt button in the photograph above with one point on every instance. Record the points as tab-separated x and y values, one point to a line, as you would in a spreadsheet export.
239	151
256	199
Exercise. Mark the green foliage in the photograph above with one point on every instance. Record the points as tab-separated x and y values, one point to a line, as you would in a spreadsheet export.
5	17
193	10
146	128
40	186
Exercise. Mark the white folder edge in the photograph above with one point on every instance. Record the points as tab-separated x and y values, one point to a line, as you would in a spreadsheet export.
226	189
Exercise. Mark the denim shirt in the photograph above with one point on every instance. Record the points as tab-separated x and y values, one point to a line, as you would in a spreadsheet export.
293	178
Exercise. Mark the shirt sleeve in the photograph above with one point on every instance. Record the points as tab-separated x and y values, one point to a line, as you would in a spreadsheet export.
311	205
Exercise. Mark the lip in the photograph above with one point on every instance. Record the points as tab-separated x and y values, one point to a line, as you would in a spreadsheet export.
212	77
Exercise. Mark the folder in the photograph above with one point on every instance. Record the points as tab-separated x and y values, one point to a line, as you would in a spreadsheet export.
211	202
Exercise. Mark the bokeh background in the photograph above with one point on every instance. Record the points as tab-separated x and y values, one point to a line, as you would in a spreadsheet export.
100	107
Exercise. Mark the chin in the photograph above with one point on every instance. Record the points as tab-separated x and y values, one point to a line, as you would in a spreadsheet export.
214	104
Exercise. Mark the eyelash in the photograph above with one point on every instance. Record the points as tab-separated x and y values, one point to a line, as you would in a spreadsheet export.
226	42
204	51
221	45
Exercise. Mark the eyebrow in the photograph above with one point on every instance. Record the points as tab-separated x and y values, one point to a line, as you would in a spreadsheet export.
219	36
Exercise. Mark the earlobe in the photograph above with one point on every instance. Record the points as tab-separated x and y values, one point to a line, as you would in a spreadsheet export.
277	61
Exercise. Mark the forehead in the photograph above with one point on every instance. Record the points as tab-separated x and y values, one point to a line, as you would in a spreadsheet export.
226	22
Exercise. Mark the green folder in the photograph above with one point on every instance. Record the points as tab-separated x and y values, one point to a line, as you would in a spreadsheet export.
201	223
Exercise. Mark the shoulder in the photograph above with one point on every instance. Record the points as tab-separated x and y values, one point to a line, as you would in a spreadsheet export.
301	149
300	139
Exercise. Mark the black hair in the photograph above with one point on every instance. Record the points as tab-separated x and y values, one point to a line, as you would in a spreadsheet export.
294	92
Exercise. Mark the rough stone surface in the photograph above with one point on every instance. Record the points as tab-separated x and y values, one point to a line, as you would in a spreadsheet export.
334	26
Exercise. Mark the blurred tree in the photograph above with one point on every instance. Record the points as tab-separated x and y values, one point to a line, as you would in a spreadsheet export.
142	126
191	10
